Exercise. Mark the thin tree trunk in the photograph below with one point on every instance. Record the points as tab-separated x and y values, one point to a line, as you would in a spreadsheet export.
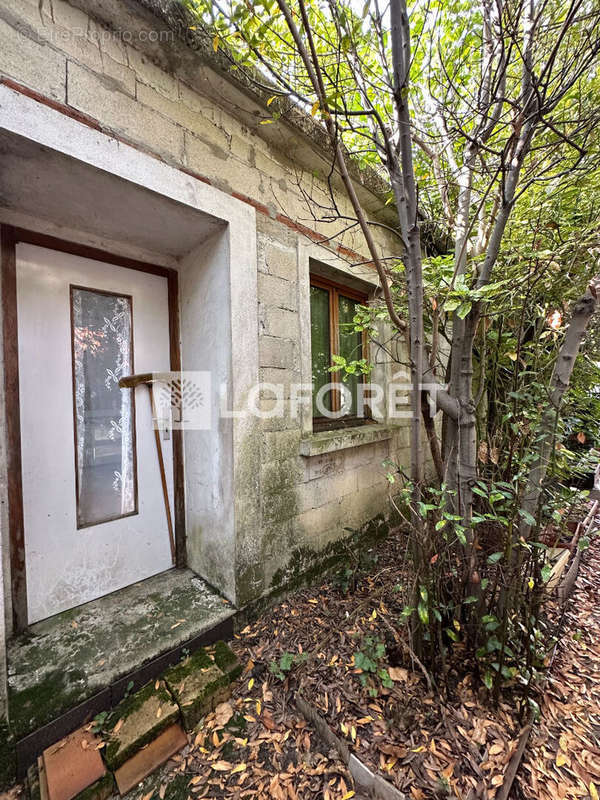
561	376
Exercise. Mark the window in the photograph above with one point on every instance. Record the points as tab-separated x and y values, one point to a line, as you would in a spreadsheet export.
105	458
332	310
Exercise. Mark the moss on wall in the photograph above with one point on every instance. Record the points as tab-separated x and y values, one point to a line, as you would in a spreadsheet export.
306	564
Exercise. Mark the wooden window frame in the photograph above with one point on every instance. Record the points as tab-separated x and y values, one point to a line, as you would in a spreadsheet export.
335	290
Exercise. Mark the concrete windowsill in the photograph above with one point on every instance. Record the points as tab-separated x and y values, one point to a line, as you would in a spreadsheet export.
329	441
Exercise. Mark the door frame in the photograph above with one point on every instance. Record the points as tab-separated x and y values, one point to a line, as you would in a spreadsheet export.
9	238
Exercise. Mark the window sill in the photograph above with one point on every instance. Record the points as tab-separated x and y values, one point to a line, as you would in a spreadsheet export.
318	444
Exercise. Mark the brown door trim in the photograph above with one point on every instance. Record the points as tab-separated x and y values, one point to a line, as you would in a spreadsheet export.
9	237
13	428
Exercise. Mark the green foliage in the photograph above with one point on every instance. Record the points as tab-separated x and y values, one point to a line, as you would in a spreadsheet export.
369	659
283	667
478	582
495	612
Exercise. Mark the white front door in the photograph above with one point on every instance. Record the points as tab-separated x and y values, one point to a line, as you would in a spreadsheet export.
94	512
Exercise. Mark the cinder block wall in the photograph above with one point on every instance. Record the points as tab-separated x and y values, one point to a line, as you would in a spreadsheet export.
89	69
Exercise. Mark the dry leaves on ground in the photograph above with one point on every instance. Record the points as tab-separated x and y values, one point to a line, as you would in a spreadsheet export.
563	756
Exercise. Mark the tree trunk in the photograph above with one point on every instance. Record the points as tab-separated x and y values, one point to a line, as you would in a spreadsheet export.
561	376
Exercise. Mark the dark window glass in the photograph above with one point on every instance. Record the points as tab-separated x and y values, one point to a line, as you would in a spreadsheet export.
320	345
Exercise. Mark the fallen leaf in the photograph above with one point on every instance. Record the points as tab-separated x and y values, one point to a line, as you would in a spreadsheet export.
398	673
222	766
223	713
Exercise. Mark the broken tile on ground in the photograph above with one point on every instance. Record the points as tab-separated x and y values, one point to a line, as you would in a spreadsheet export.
140	719
143	763
73	765
202	681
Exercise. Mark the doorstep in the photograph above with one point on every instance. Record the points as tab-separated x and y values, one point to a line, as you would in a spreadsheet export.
66	669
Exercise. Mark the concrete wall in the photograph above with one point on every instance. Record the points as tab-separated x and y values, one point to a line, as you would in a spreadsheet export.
206	346
306	497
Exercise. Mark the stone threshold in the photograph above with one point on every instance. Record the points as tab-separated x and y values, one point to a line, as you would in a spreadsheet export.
67	669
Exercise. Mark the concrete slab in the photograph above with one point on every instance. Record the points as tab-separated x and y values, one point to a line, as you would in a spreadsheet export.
62	661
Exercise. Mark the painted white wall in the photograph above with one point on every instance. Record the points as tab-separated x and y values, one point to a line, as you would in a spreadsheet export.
206	345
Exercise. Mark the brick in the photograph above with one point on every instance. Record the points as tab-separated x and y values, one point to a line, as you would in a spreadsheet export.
69	17
323	490
149	74
114	74
90	93
324	465
370	475
280	507
274	352
364	505
278	322
316	520
142	764
35	64
271	166
198	685
199	104
109	42
73	764
278	475
70	31
139	719
281	262
277	292
217	163
242	148
28	18
279	445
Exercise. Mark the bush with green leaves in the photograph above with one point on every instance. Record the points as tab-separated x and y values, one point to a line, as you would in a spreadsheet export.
370	660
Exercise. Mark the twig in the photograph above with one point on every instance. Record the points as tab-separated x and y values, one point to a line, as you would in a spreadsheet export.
513	765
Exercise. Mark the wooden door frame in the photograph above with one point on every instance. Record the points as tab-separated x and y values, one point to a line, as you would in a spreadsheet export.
9	238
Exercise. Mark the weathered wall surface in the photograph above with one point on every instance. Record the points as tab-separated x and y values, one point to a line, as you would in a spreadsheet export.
96	74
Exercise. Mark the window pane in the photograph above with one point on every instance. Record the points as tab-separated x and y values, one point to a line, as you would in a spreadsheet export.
350	347
319	336
104	413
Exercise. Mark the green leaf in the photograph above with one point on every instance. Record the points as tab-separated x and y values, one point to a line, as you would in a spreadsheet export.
286	661
451	305
529	519
494	558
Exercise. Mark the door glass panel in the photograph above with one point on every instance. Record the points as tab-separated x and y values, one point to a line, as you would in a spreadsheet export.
106	478
319	338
